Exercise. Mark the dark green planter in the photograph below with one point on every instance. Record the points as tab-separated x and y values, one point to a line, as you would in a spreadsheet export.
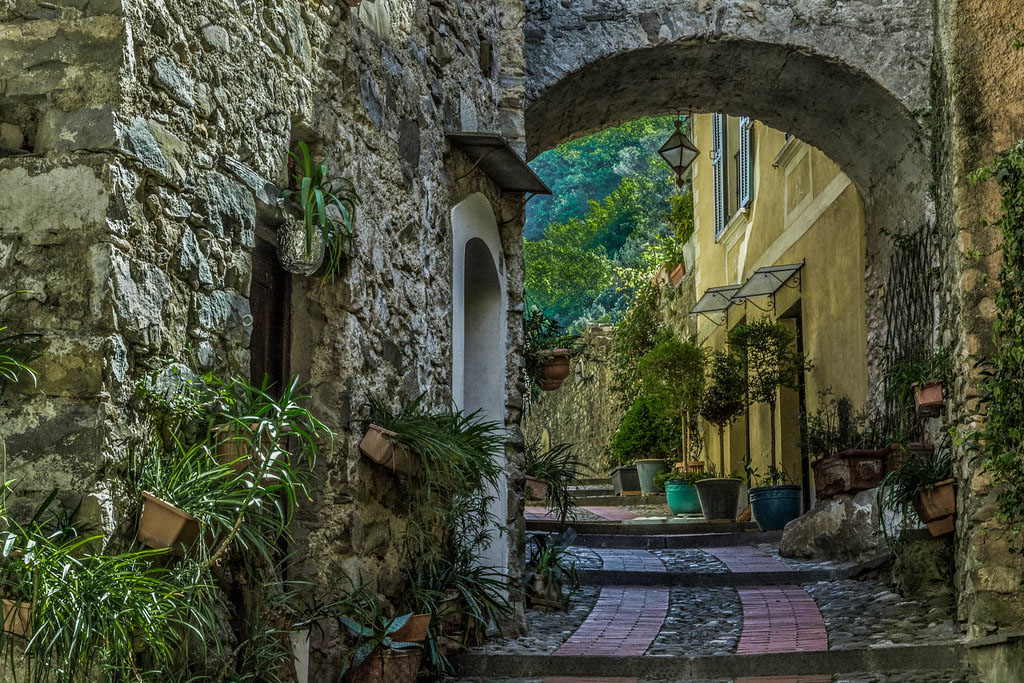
647	470
625	479
773	507
682	498
719	497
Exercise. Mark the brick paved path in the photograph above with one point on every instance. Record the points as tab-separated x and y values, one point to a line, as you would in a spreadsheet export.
780	619
629	560
605	512
625	621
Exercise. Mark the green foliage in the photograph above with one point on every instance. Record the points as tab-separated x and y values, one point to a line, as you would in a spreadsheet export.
635	335
767	349
680	475
542	335
16	353
555	564
680	221
673	376
724	399
316	195
773	476
913	477
836	427
559	468
644	434
1002	386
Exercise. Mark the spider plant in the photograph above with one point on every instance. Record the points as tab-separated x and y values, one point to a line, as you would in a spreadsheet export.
315	194
553	567
559	469
916	475
15	358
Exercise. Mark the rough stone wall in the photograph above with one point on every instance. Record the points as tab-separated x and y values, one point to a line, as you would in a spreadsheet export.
584	410
979	113
151	129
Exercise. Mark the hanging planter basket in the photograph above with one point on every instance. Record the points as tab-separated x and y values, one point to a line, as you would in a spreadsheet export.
291	248
928	399
17	617
937	507
379	445
552	368
163	525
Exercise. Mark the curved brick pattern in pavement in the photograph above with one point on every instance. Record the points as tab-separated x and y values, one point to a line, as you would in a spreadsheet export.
629	560
610	512
780	619
624	622
748	559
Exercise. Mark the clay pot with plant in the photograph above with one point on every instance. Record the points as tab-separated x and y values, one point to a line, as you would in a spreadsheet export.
550	570
550	473
548	352
922	380
924	485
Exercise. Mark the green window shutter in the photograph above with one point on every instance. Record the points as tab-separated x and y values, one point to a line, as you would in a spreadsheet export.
746	165
718	160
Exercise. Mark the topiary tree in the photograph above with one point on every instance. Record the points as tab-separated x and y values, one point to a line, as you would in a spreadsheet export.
724	399
644	431
766	349
673	377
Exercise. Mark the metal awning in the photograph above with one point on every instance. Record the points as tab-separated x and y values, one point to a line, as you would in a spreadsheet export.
715	300
768	280
492	154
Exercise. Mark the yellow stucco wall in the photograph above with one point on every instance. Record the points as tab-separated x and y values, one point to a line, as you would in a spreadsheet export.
804	209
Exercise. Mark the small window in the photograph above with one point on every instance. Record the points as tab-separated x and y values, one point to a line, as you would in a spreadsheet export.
718	146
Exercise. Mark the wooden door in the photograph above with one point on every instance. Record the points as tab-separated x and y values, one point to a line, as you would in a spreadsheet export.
270	301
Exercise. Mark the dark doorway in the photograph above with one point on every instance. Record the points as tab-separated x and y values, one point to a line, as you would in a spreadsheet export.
270	300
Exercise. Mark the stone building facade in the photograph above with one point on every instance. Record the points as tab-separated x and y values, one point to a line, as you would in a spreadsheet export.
138	140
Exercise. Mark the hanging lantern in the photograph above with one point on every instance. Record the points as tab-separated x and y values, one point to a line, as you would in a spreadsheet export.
678	152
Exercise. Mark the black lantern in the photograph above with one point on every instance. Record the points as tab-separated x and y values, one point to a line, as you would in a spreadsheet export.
678	152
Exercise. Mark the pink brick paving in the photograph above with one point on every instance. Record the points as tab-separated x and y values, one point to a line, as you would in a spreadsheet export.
629	560
539	513
624	622
784	679
610	512
573	679
745	559
780	619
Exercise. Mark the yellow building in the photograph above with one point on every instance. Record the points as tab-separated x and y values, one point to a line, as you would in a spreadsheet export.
762	200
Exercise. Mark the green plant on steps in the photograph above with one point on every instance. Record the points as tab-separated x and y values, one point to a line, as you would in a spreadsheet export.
552	568
559	469
644	433
316	194
767	350
724	399
673	379
915	475
773	476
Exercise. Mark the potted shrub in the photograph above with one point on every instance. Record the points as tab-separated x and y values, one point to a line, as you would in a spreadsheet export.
549	474
175	489
643	432
723	399
680	491
673	380
841	448
775	502
921	379
548	352
719	496
551	569
647	471
327	209
925	486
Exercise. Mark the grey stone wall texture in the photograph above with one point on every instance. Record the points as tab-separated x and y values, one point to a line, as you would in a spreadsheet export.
150	127
149	123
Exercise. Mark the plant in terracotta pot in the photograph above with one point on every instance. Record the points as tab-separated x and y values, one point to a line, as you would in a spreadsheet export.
724	398
767	350
374	655
327	209
550	570
846	454
548	352
921	380
644	434
922	485
549	474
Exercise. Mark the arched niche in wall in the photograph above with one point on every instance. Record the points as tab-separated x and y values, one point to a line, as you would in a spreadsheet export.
478	331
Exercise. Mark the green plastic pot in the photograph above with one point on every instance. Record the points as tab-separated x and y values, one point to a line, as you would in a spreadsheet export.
647	470
682	498
773	507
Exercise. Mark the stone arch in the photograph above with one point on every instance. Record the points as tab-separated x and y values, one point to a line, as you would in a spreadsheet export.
841	88
479	304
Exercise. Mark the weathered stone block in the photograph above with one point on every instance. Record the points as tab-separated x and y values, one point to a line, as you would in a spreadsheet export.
167	74
230	209
82	129
30	213
842	528
138	141
924	568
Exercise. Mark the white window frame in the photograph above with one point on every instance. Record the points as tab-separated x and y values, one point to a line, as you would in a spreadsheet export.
721	200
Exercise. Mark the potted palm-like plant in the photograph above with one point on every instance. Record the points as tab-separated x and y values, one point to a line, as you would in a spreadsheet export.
552	569
549	474
327	210
673	378
924	485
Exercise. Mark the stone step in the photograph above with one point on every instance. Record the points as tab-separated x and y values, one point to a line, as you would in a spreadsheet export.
639	527
597	481
646	541
600	501
939	657
591	492
614	577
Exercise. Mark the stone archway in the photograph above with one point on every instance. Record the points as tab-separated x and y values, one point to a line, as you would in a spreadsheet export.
479	303
840	82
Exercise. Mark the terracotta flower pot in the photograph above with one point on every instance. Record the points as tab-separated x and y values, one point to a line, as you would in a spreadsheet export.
928	399
234	448
676	276
379	445
162	525
937	506
387	666
536	489
17	617
897	455
553	368
414	630
867	467
831	477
